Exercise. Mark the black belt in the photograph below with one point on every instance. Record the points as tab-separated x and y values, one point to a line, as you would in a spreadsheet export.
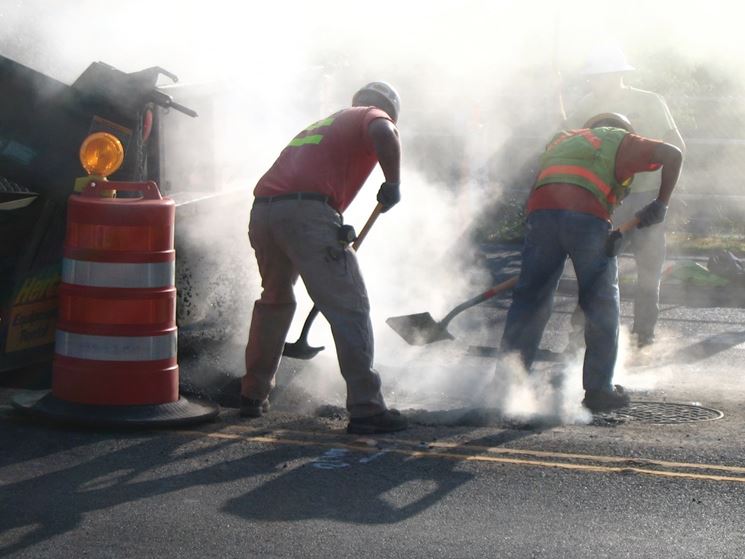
294	196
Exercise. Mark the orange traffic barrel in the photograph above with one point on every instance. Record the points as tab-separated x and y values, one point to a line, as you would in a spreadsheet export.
115	356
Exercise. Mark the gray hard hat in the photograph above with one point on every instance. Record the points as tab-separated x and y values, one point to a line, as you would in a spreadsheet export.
615	120
385	92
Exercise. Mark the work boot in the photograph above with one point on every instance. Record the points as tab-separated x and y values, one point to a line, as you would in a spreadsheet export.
644	340
606	400
253	408
385	422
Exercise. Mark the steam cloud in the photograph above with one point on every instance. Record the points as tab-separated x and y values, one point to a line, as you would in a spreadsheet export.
472	75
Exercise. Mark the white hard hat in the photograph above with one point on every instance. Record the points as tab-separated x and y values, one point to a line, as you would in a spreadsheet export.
605	60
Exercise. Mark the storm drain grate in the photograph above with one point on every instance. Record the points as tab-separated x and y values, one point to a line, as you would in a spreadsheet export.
662	413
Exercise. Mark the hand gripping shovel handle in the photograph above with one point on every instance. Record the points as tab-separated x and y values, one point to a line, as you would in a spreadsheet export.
615	239
302	340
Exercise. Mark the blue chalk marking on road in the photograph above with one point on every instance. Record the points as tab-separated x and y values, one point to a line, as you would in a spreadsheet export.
368	459
332	459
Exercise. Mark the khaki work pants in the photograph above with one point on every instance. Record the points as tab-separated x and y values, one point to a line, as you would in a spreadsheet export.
649	250
292	237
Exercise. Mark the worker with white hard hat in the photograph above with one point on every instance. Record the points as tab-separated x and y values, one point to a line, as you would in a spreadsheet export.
648	113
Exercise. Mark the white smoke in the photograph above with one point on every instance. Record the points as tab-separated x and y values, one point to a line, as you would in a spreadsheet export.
469	72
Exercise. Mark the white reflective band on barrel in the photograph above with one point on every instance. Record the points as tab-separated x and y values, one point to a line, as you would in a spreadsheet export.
115	348
119	274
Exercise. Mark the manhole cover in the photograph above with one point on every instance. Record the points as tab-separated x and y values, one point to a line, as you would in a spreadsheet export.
662	413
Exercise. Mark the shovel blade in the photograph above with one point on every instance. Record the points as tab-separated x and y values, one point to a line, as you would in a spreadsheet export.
418	329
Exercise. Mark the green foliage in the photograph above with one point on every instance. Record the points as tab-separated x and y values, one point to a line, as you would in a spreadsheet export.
703	98
504	224
682	242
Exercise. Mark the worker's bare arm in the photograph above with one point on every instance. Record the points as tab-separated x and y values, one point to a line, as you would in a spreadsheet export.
387	145
671	159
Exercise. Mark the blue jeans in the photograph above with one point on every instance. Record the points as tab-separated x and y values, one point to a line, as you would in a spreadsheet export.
551	236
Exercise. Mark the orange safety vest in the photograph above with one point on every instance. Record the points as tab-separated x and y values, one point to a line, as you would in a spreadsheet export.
586	158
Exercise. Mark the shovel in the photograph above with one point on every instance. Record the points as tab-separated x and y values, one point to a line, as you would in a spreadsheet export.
301	349
422	329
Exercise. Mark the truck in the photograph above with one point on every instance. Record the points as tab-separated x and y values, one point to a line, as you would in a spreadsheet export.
43	123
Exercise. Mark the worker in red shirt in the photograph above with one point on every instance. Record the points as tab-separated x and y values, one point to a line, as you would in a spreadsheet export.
584	174
294	230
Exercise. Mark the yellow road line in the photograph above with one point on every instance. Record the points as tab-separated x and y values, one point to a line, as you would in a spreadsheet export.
595	468
627	460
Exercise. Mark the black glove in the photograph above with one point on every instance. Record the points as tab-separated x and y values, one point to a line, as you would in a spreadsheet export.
651	214
389	195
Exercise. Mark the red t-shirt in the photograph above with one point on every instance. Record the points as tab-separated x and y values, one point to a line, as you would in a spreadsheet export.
635	155
333	156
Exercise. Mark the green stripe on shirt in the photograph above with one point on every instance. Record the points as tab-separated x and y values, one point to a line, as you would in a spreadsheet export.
314	139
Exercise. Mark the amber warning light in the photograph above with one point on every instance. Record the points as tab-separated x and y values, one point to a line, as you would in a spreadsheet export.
101	154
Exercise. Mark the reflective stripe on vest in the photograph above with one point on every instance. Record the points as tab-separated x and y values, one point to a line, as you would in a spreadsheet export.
116	348
586	134
121	274
587	159
555	171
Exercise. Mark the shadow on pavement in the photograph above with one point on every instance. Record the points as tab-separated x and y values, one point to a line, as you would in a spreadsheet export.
56	502
697	351
48	497
359	488
708	347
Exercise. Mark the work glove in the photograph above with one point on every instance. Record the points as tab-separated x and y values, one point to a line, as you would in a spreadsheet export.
651	214
389	195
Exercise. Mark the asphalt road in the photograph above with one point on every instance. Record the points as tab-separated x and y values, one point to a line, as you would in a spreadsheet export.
227	491
458	484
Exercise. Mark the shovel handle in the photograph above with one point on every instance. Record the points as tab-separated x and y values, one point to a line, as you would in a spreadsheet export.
629	225
366	229
615	238
308	322
497	289
480	298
